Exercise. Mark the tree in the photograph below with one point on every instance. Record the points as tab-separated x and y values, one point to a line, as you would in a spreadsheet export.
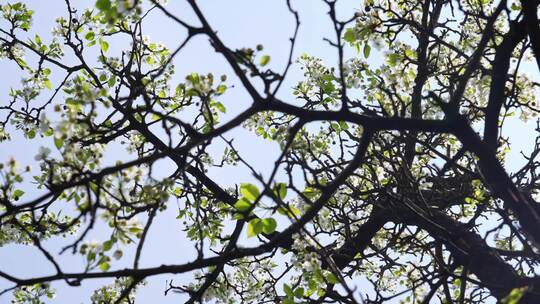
392	171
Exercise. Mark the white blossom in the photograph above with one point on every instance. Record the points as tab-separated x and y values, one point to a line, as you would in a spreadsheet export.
43	153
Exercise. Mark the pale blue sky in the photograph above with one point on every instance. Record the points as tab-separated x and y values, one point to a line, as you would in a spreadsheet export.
240	23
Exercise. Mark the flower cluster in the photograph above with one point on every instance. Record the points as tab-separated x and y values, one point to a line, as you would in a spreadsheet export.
111	293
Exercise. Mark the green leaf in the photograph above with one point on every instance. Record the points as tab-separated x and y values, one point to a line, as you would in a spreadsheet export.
261	131
310	192
194	78
264	60
249	191
221	107
18	193
58	142
90	36
135	229
47	84
94	187
242	204
238	216
104	266
104	45
318	275
410	53
349	36
514	296
221	89
91	256
393	58
31	133
331	278
367	50
290	211
299	292
112	81
280	189
328	87
255	227
288	290
49	132
107	245
103	5
269	225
